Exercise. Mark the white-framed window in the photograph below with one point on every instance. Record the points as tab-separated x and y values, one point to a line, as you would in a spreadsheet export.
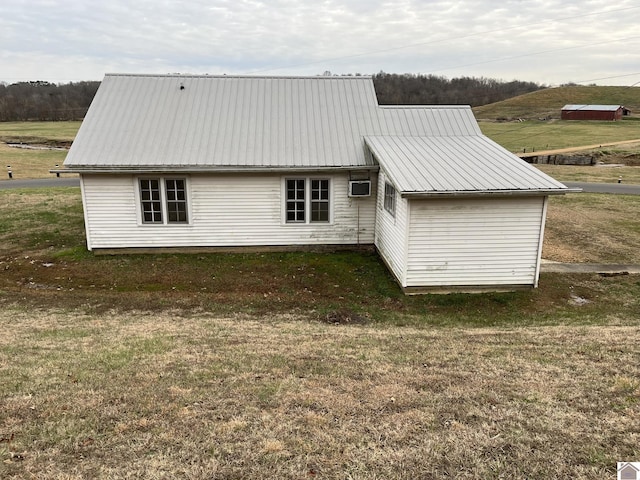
163	200
307	200
390	198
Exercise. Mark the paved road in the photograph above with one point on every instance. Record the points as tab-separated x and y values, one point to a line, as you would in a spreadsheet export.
41	182
574	149
619	188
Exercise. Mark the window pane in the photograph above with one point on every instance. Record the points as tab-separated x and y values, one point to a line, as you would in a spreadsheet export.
176	213
320	212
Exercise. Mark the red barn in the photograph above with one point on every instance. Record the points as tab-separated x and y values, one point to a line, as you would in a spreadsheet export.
592	112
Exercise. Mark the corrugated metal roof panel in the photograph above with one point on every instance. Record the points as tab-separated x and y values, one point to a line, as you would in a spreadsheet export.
151	122
598	108
227	121
211	121
435	120
455	164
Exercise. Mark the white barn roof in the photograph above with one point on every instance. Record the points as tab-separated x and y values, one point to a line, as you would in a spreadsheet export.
597	108
151	123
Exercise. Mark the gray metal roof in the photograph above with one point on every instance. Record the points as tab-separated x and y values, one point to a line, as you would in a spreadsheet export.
205	123
200	122
598	108
458	164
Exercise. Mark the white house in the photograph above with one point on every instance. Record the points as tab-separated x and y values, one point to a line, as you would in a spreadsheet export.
186	162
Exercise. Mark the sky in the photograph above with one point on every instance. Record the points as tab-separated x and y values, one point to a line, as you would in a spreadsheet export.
551	42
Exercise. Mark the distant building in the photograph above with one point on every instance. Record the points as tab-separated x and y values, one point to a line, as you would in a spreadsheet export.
593	112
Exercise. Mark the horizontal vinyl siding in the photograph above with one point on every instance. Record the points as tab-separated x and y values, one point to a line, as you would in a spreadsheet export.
110	209
390	237
474	242
225	211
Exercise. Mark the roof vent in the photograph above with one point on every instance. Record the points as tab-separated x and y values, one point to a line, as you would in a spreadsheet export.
181	86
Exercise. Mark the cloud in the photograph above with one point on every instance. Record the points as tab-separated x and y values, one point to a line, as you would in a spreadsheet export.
548	41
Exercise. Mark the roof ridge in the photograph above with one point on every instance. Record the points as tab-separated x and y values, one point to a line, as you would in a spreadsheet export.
205	75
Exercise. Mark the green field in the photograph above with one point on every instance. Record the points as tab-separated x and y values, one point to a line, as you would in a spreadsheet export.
38	132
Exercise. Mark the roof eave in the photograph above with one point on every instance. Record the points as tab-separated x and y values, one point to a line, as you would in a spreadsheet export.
221	169
489	193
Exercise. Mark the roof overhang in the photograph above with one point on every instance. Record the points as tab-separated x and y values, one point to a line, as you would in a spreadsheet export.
490	193
119	170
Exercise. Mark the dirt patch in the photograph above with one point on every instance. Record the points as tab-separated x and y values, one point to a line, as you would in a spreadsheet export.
35	142
344	317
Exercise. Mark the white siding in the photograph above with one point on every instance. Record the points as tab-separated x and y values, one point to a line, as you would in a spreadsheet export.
225	210
391	232
474	242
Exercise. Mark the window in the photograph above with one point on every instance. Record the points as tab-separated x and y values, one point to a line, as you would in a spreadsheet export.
150	198
307	200
390	199
176	201
163	200
319	200
295	200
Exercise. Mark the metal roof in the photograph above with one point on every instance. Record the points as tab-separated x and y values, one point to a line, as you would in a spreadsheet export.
160	123
459	164
200	122
598	108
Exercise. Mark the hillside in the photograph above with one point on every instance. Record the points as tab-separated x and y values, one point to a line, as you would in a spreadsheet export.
548	102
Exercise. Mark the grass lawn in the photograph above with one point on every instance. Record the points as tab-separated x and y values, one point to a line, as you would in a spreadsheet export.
303	365
178	395
34	163
598	174
38	132
27	163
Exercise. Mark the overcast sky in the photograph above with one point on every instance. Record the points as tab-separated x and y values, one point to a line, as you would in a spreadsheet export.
547	41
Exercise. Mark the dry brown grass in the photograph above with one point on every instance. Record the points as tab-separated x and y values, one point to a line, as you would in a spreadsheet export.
174	396
26	164
598	174
593	228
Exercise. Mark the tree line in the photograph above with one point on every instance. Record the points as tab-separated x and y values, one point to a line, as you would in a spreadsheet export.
44	101
410	89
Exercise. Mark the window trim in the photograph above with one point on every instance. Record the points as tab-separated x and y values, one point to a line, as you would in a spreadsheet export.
308	200
164	200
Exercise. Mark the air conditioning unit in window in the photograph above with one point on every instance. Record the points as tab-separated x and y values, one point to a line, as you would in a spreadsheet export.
360	188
